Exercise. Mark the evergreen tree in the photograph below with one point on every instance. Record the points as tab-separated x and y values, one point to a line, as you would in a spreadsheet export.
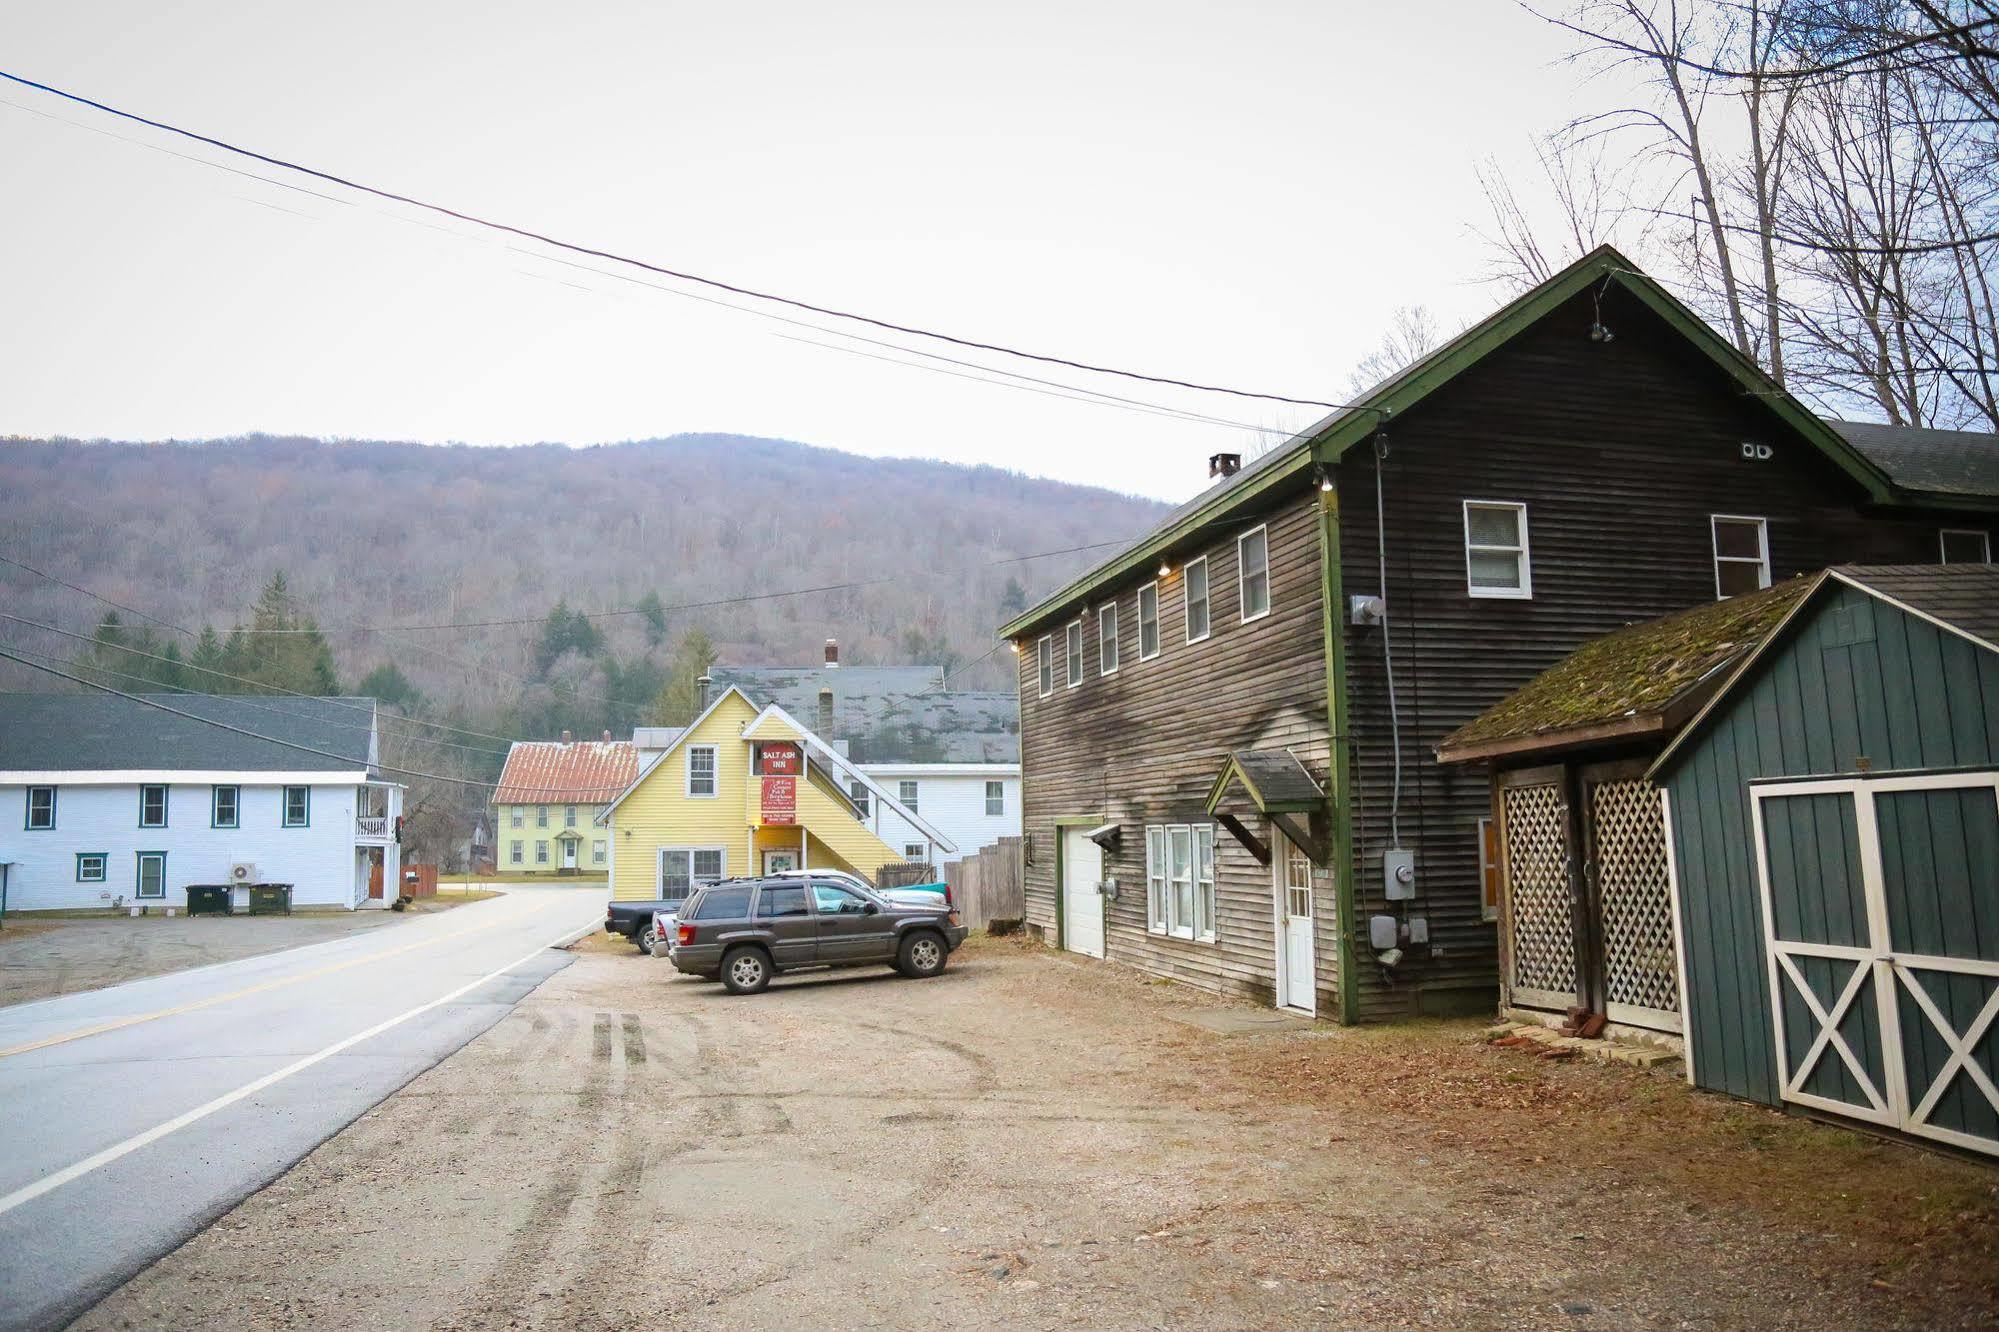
389	685
1013	600
566	631
679	702
654	614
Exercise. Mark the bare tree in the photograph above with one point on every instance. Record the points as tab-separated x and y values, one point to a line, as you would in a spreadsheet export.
1413	333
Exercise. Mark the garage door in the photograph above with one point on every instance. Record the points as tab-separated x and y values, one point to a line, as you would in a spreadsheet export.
1082	902
1881	925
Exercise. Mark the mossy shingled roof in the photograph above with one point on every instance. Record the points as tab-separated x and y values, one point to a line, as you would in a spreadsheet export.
1639	672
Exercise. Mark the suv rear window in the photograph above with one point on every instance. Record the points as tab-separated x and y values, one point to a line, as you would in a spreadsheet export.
723	904
782	900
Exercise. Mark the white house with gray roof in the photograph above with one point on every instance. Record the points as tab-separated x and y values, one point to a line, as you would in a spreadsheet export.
109	802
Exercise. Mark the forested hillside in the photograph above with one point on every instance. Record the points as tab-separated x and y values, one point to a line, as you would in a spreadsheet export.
386	534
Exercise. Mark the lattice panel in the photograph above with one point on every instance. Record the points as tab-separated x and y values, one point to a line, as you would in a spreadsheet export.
1537	864
1629	827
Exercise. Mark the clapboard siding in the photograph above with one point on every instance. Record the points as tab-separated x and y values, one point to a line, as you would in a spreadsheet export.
1915	696
1621	452
1144	745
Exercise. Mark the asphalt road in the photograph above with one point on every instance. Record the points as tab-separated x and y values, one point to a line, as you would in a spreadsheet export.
132	1116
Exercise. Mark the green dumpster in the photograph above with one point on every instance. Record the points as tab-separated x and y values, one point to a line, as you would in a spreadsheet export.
208	899
270	899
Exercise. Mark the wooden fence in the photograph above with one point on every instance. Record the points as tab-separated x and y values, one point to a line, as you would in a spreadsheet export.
987	888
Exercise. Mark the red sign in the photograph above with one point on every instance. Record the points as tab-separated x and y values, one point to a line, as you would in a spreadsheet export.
780	799
780	759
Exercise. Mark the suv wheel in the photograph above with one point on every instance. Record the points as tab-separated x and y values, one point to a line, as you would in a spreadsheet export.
647	939
922	954
745	971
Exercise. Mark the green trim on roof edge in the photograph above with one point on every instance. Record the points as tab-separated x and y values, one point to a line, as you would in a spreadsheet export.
1328	440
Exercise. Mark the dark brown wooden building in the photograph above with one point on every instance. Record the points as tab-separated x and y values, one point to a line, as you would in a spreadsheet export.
1228	728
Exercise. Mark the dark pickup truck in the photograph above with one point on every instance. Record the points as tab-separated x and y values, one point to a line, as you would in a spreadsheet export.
634	920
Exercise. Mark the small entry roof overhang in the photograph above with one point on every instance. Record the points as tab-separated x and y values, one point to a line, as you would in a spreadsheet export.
1106	835
1280	788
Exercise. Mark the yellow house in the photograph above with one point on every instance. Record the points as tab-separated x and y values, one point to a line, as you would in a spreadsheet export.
742	791
548	801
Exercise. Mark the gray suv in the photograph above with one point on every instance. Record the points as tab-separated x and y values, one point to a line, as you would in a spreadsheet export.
745	931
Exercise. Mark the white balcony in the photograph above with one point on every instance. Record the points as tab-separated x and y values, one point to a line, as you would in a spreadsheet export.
375	810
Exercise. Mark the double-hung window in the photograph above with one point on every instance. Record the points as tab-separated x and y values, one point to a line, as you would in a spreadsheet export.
701	770
1196	576
1964	545
298	806
597	852
1148	622
152	876
152	807
1180	880
682	869
517	852
41	808
541	853
995	799
1741	554
858	791
1252	550
541	816
1496	559
1044	661
1107	638
906	793
90	866
519	816
569	816
225	807
1074	645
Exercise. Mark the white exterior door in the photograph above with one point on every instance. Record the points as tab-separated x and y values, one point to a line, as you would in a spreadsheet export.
1295	969
568	854
1082	896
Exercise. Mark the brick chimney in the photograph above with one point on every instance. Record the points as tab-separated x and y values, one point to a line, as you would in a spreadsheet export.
567	738
825	713
832	654
1224	464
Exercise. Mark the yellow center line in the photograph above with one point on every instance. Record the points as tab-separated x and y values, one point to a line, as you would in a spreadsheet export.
116	1024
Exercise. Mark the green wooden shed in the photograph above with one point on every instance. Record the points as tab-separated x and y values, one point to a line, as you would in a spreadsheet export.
1833	827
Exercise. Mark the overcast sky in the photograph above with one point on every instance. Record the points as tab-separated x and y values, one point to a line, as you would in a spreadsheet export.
1229	193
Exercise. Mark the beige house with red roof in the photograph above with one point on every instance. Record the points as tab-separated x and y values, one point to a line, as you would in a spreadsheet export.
546	806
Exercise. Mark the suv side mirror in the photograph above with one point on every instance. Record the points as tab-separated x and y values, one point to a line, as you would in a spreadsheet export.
870	908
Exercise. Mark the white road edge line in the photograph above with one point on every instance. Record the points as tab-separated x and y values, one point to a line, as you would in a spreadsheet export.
49	1183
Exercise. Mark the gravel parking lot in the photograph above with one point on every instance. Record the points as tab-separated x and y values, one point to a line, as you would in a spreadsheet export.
1032	1141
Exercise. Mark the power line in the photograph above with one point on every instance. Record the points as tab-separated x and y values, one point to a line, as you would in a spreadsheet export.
13	656
612	257
238	679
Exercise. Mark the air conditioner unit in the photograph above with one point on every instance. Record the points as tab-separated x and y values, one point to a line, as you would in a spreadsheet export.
242	871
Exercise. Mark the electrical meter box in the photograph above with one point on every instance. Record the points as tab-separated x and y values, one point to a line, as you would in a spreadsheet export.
1398	874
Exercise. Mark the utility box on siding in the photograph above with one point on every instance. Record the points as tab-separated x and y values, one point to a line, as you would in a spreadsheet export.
1834	827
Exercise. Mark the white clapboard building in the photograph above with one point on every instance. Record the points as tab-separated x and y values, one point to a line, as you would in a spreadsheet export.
108	802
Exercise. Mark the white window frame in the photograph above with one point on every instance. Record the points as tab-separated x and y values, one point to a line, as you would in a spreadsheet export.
600	851
569	816
996	795
1944	534
694	880
1072	648
1187	600
1044	665
519	817
916	853
541	851
1242	579
103	859
1153	590
1107	660
1162	906
1521	553
139	876
517	852
166	801
714	754
28	819
908	792
1762	560
285	819
541	816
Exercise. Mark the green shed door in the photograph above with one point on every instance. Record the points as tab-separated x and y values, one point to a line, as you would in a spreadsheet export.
1881	909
